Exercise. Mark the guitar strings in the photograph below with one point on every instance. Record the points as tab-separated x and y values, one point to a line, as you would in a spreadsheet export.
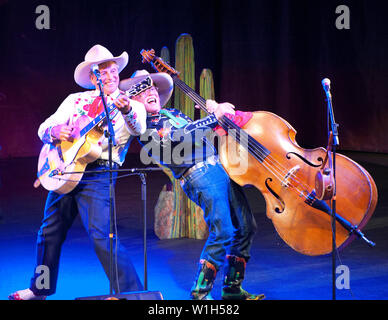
256	150
261	156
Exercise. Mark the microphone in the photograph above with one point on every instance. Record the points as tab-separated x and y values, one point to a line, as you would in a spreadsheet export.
326	84
95	70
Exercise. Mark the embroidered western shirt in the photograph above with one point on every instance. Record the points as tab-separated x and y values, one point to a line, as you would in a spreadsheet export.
87	103
176	141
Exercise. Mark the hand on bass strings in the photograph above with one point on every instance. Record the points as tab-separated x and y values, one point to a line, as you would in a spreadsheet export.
219	109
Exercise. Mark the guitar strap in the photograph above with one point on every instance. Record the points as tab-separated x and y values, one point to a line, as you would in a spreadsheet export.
175	122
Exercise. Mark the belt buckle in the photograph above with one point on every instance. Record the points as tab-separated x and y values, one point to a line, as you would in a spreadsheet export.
105	163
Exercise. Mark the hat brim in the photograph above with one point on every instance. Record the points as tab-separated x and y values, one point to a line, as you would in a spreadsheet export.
161	80
82	72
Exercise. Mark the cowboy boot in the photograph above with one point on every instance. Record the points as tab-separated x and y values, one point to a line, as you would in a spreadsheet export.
234	276
204	281
25	294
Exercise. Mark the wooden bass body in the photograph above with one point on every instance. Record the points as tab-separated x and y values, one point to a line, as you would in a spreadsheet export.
286	178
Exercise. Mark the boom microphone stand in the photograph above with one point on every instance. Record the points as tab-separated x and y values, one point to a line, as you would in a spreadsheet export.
140	295
141	172
332	128
110	134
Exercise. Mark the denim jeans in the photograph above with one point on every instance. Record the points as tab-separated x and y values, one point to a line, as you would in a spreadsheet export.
90	199
226	212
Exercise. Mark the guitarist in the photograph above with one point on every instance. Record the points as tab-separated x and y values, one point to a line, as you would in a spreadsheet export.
202	177
90	198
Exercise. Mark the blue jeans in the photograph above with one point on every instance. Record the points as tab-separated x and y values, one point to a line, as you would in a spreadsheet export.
90	199
226	212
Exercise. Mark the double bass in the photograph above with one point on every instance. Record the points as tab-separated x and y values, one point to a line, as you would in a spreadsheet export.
286	175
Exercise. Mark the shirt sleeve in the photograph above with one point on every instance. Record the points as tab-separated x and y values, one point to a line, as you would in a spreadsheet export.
136	118
61	116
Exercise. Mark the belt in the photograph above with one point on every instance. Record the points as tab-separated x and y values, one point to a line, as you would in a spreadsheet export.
213	160
105	163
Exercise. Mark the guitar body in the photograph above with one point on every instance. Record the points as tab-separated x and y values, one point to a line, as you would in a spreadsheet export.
57	159
68	156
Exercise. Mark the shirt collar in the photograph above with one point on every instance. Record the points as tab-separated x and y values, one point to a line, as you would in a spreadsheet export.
114	95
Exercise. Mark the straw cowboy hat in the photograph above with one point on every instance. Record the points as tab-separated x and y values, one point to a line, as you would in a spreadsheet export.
162	81
96	55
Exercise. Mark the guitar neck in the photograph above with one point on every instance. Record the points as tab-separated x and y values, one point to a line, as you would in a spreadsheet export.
197	99
254	147
201	102
134	90
97	120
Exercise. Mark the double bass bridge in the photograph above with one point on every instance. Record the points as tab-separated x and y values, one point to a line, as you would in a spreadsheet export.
286	179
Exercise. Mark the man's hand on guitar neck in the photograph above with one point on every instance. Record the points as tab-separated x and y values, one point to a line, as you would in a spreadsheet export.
62	132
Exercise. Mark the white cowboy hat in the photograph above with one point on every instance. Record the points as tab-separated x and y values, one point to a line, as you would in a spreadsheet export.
96	55
161	80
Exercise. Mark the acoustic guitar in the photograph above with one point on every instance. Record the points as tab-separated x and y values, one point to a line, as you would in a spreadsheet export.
61	164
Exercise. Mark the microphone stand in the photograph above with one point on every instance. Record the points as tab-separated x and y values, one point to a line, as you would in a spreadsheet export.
332	128
142	176
141	172
110	134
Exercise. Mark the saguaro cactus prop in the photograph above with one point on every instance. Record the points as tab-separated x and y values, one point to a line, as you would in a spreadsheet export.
184	63
175	214
167	224
170	210
206	87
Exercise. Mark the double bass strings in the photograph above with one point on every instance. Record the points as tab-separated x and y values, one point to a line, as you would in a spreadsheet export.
286	178
273	167
254	148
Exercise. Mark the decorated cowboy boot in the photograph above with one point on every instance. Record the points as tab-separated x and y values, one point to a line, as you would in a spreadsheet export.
234	276
204	281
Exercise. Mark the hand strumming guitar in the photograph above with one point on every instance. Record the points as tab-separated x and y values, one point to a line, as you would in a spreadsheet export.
62	132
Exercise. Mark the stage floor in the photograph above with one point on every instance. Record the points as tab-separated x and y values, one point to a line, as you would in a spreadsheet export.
274	269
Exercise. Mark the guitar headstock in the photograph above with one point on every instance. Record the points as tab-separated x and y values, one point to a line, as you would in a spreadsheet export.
157	63
148	55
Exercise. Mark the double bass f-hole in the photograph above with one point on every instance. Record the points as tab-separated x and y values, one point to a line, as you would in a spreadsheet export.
278	198
285	183
324	179
288	156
